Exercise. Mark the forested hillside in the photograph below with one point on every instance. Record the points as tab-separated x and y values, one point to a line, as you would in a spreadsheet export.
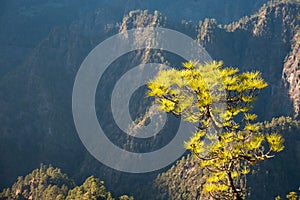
50	183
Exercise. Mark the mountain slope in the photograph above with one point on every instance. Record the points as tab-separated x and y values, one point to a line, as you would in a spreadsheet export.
291	72
260	42
37	124
24	24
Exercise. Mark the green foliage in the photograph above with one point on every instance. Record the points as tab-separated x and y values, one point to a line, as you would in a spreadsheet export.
48	183
92	189
186	177
227	142
43	183
125	197
277	176
290	196
279	124
181	181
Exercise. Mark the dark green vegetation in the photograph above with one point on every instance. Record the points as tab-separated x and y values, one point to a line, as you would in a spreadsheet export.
36	124
50	183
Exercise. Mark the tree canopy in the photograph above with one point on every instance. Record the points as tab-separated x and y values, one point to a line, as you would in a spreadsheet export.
48	183
218	101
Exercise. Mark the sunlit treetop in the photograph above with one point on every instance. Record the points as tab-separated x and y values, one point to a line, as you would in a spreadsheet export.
218	101
200	92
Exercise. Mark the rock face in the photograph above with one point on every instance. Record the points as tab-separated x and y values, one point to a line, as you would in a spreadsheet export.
260	42
291	72
26	23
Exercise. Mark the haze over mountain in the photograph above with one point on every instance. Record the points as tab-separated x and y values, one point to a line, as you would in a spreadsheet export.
26	23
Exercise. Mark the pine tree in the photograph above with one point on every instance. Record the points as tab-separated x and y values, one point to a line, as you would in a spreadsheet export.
218	101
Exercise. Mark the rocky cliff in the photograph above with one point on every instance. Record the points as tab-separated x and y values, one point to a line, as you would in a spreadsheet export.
260	42
291	72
